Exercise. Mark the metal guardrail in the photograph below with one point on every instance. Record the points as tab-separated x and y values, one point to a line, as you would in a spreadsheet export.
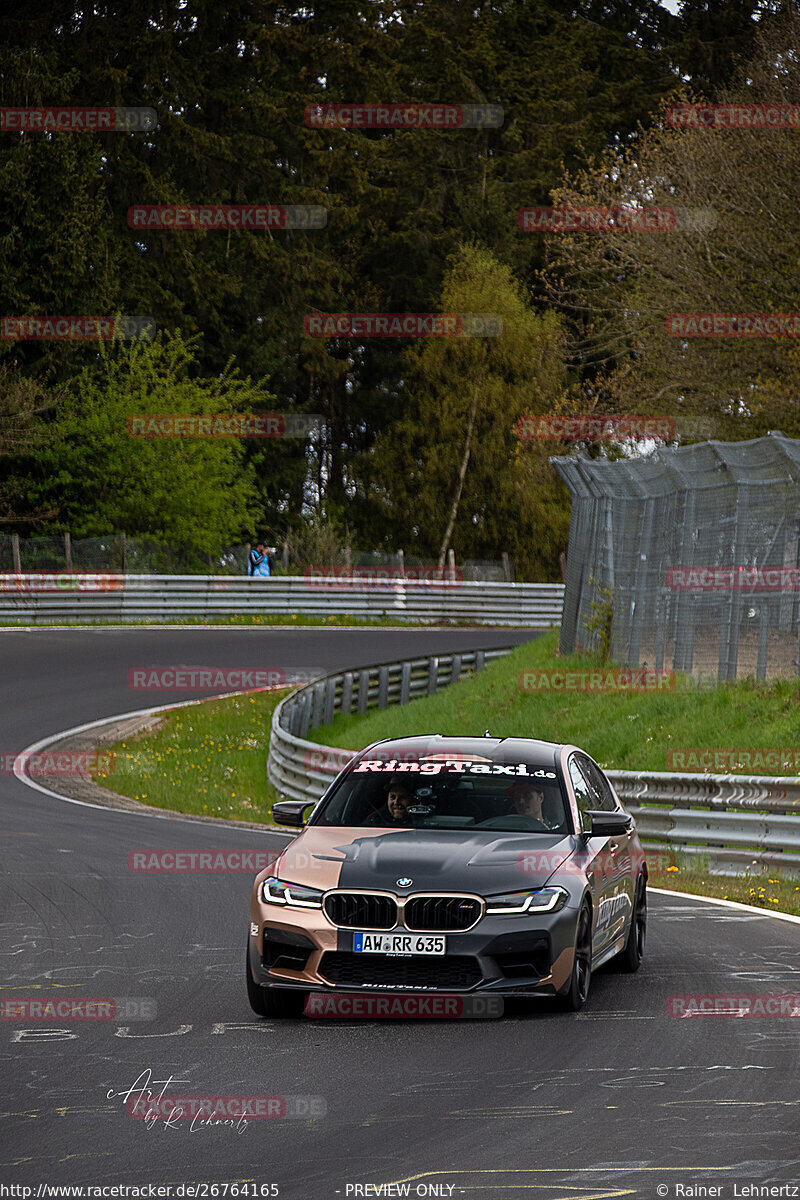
736	822
62	598
303	770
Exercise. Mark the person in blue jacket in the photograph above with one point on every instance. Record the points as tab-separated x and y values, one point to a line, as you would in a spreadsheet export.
258	562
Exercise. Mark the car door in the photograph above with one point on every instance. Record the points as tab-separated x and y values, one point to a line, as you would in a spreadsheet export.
619	850
600	868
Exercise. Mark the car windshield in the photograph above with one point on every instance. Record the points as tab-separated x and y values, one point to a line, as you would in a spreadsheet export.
511	797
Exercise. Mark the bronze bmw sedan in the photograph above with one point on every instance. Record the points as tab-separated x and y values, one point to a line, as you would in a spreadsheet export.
452	865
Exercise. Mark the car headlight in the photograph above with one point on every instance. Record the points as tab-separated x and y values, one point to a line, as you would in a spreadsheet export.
278	891
548	899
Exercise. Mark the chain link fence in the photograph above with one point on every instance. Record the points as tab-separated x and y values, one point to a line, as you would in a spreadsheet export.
688	558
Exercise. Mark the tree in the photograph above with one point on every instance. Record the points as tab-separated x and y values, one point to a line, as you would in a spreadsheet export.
453	462
101	479
735	250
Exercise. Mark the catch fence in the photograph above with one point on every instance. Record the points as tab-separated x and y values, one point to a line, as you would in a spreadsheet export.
688	557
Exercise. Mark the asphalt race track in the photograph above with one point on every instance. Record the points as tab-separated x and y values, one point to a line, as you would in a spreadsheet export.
622	1100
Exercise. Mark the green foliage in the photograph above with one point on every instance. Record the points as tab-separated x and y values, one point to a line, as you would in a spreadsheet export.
183	491
230	90
625	730
453	458
598	625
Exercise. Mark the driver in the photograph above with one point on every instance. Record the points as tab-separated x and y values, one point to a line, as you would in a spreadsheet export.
528	801
395	810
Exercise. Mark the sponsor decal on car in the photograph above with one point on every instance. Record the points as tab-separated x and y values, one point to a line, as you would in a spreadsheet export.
451	765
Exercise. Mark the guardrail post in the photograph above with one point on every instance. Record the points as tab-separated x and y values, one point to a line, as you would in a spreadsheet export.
363	691
455	671
347	692
405	682
329	703
305	716
480	660
383	687
433	674
316	711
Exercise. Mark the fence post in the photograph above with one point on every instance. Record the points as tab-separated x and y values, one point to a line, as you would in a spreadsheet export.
506	567
405	682
68	551
451	565
284	555
401	559
15	553
433	674
124	547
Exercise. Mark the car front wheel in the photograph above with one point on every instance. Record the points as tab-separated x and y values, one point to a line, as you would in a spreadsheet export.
631	957
574	994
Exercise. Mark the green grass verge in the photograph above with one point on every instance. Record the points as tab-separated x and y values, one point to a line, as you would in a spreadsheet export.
771	891
623	731
209	759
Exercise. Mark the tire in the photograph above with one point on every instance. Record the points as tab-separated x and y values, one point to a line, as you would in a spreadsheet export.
574	995
272	1002
630	958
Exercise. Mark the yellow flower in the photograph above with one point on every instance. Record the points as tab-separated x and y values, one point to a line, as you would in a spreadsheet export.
673	868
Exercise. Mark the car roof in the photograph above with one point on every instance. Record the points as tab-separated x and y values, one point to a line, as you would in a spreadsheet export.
442	743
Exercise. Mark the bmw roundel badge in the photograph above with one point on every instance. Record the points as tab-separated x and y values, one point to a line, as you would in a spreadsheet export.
404	881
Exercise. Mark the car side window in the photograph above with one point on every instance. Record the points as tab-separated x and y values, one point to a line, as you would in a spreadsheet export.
599	784
584	794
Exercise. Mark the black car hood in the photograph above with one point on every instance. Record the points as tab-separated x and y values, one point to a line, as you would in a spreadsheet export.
486	862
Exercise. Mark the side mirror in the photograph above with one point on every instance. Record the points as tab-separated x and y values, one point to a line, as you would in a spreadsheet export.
606	824
290	812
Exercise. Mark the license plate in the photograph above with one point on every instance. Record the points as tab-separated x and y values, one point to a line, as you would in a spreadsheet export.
398	943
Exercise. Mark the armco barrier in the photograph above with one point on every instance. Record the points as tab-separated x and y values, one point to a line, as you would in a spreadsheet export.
164	597
302	770
736	822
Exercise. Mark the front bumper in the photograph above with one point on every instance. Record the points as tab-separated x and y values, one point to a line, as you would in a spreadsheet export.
519	954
